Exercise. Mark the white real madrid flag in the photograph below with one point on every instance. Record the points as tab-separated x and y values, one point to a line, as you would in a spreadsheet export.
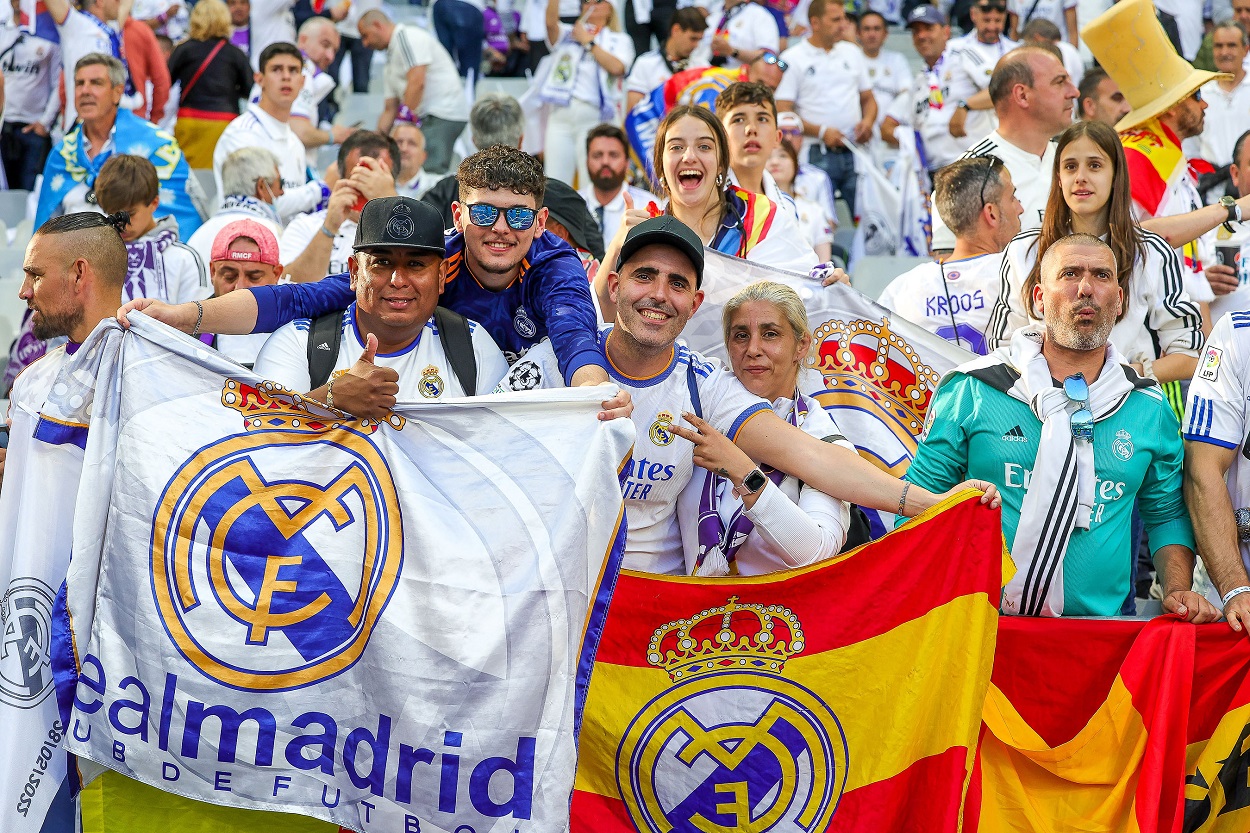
880	370
388	627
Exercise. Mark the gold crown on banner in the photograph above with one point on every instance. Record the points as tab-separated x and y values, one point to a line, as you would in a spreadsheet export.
733	637
869	356
269	406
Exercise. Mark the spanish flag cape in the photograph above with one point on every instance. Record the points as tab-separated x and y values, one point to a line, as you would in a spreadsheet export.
747	220
1160	178
1103	726
844	696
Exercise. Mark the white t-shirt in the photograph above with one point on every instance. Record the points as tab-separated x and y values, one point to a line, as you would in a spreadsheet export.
81	34
1051	10
1217	409
1188	16
317	85
1029	173
614	211
927	108
301	231
814	221
972	64
890	75
256	128
272	21
957	308
411	46
749	27
30	67
662	464
424	372
243	349
1227	117
593	84
825	85
650	70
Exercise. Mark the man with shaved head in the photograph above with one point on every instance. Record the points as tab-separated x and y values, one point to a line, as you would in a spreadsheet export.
1033	97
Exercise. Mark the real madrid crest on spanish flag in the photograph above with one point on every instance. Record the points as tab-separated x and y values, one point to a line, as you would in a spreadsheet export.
831	698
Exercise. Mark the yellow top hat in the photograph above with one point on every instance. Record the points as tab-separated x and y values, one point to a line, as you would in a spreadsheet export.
1130	44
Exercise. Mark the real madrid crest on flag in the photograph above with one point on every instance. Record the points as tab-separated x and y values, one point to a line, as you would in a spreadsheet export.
732	736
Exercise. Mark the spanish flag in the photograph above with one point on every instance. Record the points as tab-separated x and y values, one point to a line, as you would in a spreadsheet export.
1115	727
845	696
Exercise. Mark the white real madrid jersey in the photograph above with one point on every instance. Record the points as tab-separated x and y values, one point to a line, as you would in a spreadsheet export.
662	463
952	300
424	372
1217	410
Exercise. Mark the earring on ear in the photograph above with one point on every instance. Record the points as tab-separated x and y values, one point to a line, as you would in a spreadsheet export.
720	180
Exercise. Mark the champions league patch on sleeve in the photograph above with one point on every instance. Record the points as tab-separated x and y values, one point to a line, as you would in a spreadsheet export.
524	375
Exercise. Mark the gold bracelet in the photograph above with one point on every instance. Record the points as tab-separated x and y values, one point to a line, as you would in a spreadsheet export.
330	394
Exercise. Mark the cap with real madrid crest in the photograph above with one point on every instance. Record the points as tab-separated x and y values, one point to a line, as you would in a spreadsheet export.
400	222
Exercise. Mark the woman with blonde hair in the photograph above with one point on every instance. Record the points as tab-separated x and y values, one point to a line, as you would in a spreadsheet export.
786	523
214	75
582	84
692	163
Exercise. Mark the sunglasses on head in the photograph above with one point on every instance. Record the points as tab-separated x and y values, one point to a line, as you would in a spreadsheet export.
995	163
1082	419
770	58
991	7
485	215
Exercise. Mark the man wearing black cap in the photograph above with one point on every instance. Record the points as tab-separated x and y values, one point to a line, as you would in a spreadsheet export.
397	273
655	288
927	106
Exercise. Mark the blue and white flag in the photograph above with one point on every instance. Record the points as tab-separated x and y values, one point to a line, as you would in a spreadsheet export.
880	370
386	626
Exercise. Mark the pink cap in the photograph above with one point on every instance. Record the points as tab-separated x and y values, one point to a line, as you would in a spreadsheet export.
252	230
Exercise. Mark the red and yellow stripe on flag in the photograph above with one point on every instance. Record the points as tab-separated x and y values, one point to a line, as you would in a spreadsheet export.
1115	727
845	696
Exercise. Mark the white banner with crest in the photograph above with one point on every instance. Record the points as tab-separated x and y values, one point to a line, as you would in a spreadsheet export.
386	626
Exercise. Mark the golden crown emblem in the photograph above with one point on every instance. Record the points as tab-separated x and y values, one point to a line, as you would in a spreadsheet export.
868	357
733	637
270	406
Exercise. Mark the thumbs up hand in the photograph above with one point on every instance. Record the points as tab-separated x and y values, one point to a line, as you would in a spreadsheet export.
367	390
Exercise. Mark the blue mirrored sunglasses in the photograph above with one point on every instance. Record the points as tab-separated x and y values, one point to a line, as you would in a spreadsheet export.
770	58
518	219
1082	420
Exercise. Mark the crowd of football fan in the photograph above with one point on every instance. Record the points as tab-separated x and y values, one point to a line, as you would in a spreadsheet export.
1097	274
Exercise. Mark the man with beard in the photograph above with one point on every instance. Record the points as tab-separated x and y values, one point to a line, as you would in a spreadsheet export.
608	195
1072	437
75	268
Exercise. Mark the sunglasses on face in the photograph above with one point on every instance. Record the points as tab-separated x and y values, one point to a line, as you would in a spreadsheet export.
1082	420
1197	96
485	215
991	8
770	58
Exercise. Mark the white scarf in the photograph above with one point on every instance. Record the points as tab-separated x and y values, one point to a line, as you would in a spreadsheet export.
1060	496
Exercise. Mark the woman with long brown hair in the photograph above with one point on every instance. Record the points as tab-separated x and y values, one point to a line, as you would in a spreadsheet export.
692	162
1160	330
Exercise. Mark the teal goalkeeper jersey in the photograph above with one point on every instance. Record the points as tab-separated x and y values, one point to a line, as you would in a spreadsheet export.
978	431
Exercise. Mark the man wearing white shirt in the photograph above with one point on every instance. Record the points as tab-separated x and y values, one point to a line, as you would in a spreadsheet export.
607	160
1033	98
320	243
1062	13
318	41
31	66
1188	15
739	31
412	180
94	29
827	85
1228	101
266	124
888	71
973	58
651	69
419	75
927	107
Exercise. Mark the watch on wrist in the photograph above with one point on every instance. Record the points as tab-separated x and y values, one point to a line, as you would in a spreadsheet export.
962	105
1234	212
752	483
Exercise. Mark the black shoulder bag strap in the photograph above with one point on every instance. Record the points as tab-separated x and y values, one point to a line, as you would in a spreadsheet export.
453	332
324	336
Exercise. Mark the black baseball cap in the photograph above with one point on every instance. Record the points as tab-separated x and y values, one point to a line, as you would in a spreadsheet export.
400	222
566	207
664	230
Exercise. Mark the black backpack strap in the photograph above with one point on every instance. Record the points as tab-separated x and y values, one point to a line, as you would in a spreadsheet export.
692	382
453	332
324	336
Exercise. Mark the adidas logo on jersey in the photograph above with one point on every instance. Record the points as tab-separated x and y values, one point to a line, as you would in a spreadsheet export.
1015	435
323	346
